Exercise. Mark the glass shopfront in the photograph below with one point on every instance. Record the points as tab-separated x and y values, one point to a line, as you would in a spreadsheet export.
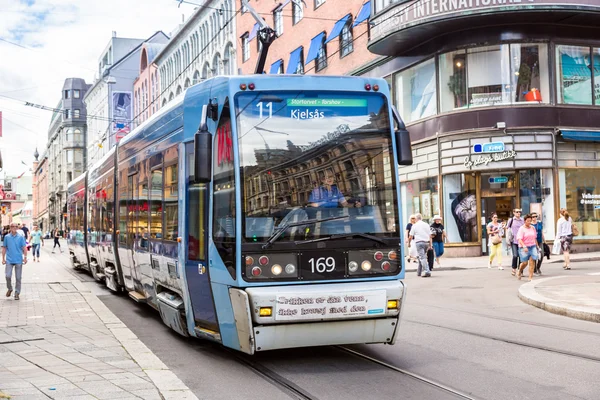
575	78
421	196
580	195
460	208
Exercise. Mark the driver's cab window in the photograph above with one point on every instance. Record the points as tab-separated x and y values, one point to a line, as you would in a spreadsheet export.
224	190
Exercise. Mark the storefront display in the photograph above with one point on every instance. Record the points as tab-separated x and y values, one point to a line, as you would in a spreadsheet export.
460	208
421	196
580	195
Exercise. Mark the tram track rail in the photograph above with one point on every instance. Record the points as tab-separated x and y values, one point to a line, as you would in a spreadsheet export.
285	385
509	341
444	388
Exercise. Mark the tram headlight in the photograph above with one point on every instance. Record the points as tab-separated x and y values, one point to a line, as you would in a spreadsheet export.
366	265
249	261
276	269
290	269
353	266
392	255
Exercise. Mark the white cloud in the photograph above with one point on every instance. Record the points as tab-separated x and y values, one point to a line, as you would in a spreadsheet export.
62	39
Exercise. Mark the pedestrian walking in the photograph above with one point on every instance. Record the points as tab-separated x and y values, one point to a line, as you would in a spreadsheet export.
495	231
412	251
420	234
564	231
513	226
527	240
56	236
539	228
438	237
25	231
37	239
14	255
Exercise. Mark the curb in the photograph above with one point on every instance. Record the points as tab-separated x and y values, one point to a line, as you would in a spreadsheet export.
576	260
167	383
529	295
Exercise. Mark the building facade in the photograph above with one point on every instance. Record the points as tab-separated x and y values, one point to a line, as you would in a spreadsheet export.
14	194
109	100
203	47
503	113
66	150
146	86
313	36
40	192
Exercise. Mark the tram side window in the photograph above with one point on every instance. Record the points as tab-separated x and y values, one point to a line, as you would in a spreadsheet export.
79	210
156	209
196	211
224	191
92	215
123	207
109	210
171	194
142	206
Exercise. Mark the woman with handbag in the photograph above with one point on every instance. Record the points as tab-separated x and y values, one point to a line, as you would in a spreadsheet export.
539	228
495	231
565	230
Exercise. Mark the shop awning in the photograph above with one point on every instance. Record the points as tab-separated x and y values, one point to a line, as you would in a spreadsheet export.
581	136
253	33
315	46
363	14
293	61
275	67
337	28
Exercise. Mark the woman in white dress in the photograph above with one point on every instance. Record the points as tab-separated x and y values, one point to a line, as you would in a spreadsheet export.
564	231
495	231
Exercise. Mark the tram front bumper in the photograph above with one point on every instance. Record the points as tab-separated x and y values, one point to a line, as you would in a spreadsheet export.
314	315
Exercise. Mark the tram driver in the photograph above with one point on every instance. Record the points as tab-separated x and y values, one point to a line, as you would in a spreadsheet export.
329	196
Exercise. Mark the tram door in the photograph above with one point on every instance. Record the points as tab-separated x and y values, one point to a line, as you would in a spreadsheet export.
144	280
196	259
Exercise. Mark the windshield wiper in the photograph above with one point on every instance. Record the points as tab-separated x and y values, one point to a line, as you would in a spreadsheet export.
343	236
280	229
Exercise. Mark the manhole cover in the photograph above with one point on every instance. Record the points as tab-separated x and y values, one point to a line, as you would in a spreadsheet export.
467	287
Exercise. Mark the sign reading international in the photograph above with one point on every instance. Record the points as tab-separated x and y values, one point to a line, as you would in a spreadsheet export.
415	12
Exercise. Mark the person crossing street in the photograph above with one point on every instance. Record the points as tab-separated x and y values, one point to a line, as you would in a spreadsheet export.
36	240
14	255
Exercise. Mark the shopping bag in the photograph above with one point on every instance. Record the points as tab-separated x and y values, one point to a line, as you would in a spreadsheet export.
556	247
430	258
412	251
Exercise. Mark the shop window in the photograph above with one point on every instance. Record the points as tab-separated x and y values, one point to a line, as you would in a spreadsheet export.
453	80
421	196
529	73
488	78
460	208
416	92
574	73
580	195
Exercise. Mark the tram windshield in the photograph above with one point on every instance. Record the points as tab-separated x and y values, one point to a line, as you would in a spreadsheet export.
316	156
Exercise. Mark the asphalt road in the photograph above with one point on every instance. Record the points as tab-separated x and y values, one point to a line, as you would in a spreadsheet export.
465	330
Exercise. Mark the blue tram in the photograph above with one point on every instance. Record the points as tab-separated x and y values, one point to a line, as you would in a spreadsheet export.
261	212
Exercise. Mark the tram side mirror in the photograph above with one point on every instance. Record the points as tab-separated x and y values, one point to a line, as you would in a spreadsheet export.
203	151
402	137
403	147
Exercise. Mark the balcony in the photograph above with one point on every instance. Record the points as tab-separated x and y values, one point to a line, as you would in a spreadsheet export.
407	28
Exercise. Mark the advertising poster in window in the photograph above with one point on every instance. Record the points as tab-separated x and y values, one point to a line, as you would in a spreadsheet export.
460	208
121	114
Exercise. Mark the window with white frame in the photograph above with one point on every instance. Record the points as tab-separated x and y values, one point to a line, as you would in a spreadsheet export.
319	3
300	66
278	20
297	12
76	113
346	39
245	48
76	93
321	60
244	8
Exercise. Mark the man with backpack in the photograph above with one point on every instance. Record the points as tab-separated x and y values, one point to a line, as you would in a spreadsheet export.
513	226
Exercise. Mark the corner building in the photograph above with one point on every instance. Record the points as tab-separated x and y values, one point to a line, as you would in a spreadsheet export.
502	101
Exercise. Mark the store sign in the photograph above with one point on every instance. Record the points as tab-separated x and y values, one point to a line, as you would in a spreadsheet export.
471	162
408	14
494	147
591	199
498	179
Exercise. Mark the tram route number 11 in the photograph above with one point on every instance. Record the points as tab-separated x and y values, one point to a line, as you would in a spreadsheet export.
322	264
268	105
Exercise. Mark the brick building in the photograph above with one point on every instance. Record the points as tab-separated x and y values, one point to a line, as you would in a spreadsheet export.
314	36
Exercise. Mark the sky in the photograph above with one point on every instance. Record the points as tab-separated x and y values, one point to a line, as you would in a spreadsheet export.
51	40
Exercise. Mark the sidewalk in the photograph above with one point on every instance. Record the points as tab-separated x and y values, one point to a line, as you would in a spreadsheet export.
450	264
60	341
573	296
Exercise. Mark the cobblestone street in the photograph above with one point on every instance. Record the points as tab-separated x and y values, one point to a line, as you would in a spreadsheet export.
59	341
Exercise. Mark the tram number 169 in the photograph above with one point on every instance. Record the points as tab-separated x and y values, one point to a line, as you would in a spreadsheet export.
322	264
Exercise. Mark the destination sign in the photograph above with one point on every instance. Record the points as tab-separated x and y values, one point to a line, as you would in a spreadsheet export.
327	102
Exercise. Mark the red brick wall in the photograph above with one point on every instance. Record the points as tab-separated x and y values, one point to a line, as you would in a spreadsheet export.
314	22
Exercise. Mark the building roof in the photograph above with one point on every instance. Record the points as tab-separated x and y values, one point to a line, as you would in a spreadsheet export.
153	49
